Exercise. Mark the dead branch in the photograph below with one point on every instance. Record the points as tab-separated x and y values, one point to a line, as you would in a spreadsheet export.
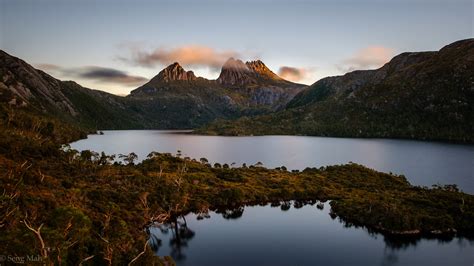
86	259
140	254
41	175
37	232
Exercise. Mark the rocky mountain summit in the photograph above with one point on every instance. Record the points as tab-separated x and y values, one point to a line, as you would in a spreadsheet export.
235	73
258	83
174	72
262	70
250	86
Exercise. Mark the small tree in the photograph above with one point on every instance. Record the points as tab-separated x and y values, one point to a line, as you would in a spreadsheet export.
130	158
153	154
105	159
89	156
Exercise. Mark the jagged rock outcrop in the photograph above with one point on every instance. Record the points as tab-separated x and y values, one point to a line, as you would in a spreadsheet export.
262	70
258	83
174	72
236	73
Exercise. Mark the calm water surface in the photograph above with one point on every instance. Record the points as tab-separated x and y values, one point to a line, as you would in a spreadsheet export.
306	236
423	163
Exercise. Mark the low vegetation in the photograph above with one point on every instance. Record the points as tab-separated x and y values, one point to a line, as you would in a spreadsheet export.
73	207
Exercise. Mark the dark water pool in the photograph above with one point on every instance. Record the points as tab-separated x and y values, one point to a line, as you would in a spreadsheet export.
265	235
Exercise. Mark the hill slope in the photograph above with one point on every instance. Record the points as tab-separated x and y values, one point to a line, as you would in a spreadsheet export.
427	95
22	86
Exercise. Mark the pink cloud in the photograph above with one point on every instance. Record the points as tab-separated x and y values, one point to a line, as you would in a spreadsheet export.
368	58
293	73
194	55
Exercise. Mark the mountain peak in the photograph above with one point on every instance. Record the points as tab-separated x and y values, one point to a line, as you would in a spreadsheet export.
260	68
255	63
235	72
175	64
175	72
235	64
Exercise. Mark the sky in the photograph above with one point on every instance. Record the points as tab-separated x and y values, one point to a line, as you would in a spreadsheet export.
117	45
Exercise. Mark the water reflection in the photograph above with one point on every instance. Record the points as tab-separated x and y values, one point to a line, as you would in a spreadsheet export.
389	258
308	233
233	214
178	241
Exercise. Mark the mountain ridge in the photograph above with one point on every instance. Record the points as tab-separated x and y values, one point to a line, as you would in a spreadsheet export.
250	86
173	99
420	95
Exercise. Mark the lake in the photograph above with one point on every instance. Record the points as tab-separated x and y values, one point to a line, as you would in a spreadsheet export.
423	163
264	235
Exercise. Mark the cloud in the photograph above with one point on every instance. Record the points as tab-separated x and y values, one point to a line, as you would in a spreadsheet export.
191	55
293	73
367	58
100	74
109	75
48	67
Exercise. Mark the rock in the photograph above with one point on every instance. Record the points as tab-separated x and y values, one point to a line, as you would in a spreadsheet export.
236	72
175	72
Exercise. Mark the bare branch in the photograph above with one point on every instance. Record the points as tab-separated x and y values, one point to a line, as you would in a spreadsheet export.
37	232
86	259
140	254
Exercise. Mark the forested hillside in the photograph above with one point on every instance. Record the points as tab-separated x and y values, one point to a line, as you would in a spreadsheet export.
424	95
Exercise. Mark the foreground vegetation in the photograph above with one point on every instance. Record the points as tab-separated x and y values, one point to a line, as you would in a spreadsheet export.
71	208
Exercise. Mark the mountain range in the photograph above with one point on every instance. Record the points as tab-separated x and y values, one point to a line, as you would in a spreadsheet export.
173	99
418	95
